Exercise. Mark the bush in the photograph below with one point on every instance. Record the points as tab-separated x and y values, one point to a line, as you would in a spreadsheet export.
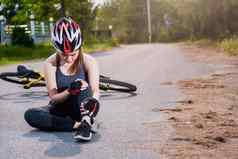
90	40
21	38
230	46
114	42
19	53
205	43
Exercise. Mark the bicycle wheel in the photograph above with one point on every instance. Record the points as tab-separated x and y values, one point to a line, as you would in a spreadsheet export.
108	84
14	77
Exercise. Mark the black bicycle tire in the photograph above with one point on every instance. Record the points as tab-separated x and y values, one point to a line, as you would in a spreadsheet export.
123	86
5	76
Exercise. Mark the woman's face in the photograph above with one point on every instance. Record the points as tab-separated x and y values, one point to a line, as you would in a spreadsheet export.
70	57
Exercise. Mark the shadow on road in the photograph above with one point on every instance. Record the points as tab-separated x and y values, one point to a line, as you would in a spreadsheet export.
112	95
62	144
24	97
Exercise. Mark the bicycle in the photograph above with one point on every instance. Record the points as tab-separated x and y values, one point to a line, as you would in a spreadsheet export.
30	78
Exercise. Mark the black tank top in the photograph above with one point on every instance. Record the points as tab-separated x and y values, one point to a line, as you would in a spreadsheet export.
63	81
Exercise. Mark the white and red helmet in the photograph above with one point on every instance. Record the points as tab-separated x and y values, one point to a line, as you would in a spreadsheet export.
66	36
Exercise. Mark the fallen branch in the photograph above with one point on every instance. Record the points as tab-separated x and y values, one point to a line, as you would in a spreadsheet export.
174	109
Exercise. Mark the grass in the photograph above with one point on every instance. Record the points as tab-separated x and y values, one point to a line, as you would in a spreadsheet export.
229	46
97	47
6	61
203	43
16	54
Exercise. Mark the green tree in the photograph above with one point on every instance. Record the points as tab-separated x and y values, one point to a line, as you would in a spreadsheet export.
127	18
83	12
42	9
114	13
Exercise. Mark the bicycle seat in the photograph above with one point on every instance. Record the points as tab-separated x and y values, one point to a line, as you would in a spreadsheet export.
22	69
25	72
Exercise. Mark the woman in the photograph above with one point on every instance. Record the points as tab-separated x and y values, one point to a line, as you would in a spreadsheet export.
72	80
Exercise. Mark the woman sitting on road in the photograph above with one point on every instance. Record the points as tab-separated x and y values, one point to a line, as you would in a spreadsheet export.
72	79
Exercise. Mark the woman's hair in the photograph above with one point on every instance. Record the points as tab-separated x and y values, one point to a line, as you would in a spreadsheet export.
76	66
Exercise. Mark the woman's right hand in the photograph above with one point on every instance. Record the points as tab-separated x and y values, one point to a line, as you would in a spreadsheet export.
75	87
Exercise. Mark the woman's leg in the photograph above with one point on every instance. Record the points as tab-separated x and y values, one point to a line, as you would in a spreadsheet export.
75	102
83	110
79	110
48	118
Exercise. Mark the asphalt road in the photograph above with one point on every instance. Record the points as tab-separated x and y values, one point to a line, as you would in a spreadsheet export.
130	125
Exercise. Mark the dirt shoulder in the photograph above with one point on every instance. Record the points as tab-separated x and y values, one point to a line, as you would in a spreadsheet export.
206	122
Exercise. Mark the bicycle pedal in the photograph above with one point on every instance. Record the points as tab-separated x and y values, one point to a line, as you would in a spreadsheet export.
24	79
26	87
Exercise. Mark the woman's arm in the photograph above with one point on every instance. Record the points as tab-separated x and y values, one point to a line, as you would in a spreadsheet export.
92	69
49	73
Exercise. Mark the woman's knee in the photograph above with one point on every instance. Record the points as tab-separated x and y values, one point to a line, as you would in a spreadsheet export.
90	106
29	114
37	117
33	112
